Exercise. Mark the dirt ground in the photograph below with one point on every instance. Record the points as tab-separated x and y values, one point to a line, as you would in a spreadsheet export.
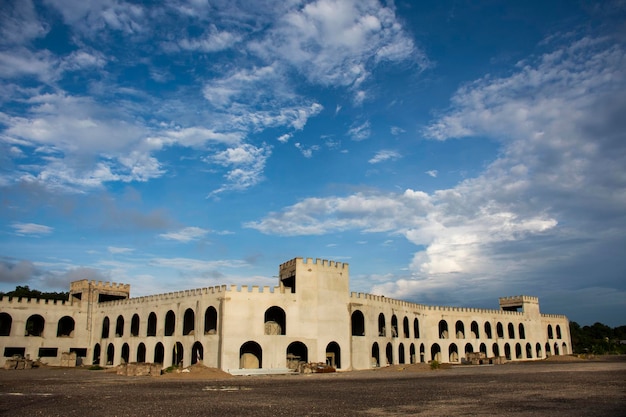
561	386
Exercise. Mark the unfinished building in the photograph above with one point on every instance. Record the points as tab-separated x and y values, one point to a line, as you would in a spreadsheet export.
310	316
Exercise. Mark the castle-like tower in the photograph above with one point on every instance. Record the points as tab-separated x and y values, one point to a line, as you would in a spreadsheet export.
310	316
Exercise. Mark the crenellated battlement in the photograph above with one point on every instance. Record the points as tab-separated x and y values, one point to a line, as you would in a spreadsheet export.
421	307
310	261
23	300
519	299
78	286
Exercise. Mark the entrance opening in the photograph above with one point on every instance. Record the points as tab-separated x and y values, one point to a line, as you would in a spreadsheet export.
333	355
250	355
197	353
297	352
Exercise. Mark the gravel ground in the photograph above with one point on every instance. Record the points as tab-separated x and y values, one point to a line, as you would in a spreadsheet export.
554	388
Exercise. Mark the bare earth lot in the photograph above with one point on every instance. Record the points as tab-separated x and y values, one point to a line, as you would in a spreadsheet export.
554	388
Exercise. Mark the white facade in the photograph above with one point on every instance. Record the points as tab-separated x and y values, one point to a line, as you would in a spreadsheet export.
311	316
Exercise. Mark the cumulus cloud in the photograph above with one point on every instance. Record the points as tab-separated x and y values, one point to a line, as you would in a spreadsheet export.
245	163
556	190
385	155
360	132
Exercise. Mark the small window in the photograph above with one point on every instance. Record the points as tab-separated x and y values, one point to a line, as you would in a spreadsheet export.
48	352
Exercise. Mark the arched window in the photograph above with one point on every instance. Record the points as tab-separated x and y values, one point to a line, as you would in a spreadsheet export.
189	322
119	326
96	355
443	329
522	333
538	350
435	353
488	330
250	356
401	353
459	330
496	350
5	324
275	321
134	325
296	352
358	323
475	333
548	350
500	330
518	351
35	325
412	358
389	354
558	331
422	353
382	330
141	353
453	353
507	351
483	349
469	348
550	334
170	323
529	351
416	328
333	355
125	353
159	353
405	327
178	353
152	326
210	321
65	327
511	331
375	355
110	354
197	353
394	326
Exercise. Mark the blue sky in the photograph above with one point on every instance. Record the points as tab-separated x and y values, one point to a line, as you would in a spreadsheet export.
450	151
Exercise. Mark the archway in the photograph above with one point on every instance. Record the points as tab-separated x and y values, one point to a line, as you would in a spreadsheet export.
333	355
459	330
275	321
96	355
197	353
357	321
159	353
297	352
125	353
119	326
65	327
435	353
110	354
5	324
35	325
401	353
375	355
210	321
141	353
412	357
134	325
250	355
443	329
389	354
178	353
152	325
453	353
382	330
170	323
189	322
105	328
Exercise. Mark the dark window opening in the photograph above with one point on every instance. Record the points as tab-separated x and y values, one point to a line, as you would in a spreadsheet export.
108	297
66	327
35	325
189	321
48	352
152	325
119	327
210	321
290	283
134	325
275	321
358	323
12	351
5	324
170	323
80	352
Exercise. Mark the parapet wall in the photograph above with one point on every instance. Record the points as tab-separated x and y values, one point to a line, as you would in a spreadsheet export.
83	284
309	261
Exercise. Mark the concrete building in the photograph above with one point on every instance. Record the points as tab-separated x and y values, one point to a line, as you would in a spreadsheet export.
311	316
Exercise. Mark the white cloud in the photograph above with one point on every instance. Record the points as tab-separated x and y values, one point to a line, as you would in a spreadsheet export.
115	250
433	173
360	132
186	234
555	192
307	152
385	155
32	229
246	164
395	130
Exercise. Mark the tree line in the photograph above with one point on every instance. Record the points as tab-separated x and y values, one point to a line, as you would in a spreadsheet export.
23	291
598	339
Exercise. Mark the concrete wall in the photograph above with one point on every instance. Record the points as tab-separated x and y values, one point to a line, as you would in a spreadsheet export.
309	314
